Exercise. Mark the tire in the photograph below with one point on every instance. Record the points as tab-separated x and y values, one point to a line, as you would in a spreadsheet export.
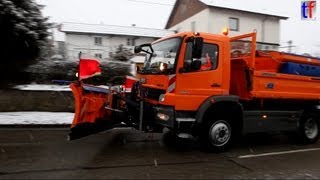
217	135
309	128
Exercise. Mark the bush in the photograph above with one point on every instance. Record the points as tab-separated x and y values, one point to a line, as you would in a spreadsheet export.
45	71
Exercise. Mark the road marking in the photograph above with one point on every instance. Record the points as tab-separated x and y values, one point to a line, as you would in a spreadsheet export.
185	119
155	163
277	153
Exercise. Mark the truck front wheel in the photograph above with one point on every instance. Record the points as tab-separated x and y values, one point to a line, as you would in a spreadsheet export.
309	128
217	135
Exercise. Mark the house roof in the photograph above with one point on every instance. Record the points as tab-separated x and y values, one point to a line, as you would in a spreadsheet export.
242	7
70	27
235	5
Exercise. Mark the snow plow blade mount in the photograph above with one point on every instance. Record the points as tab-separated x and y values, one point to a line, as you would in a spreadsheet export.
93	110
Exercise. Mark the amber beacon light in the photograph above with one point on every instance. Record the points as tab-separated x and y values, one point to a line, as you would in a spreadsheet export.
225	31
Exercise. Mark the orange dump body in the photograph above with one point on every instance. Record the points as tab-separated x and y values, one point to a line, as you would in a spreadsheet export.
268	82
258	75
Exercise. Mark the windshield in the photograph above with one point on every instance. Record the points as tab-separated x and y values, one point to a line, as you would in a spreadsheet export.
162	60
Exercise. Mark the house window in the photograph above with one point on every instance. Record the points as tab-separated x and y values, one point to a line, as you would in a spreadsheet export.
98	55
233	24
275	47
193	26
259	47
131	42
98	40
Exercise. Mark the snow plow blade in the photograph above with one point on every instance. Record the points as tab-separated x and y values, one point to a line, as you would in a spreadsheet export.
93	110
86	129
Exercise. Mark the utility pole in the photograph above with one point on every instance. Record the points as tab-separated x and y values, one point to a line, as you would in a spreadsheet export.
290	46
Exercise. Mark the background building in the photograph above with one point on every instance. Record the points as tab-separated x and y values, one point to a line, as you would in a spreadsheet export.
212	16
100	40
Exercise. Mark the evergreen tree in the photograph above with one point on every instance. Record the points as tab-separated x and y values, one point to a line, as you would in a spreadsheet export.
23	34
121	54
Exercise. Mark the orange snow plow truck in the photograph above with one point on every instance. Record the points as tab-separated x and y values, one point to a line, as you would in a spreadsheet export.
210	87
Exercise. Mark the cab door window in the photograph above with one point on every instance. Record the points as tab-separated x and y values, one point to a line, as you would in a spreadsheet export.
209	57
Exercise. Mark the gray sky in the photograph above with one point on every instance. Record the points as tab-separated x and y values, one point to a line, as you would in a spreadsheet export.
154	14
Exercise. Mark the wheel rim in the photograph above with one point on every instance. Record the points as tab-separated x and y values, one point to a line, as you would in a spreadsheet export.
311	128
220	133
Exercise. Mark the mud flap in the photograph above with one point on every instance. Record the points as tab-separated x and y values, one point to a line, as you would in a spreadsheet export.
92	114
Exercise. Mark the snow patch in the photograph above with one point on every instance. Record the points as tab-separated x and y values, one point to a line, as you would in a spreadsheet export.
8	118
52	87
43	87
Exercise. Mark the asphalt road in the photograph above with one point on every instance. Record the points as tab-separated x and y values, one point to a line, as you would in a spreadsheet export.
45	153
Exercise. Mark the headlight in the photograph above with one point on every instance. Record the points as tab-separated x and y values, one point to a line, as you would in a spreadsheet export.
163	116
163	67
161	97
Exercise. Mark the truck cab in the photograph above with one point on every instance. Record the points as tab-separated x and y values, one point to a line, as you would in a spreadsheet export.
179	76
187	75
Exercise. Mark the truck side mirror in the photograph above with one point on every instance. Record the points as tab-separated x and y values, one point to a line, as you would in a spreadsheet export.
197	47
137	49
196	65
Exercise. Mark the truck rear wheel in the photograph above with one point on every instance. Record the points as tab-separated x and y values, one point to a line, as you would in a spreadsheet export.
309	128
217	136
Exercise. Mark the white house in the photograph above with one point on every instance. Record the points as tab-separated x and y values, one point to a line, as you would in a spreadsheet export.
214	15
100	40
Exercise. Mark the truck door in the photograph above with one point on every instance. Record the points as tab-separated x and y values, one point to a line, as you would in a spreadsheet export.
192	85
